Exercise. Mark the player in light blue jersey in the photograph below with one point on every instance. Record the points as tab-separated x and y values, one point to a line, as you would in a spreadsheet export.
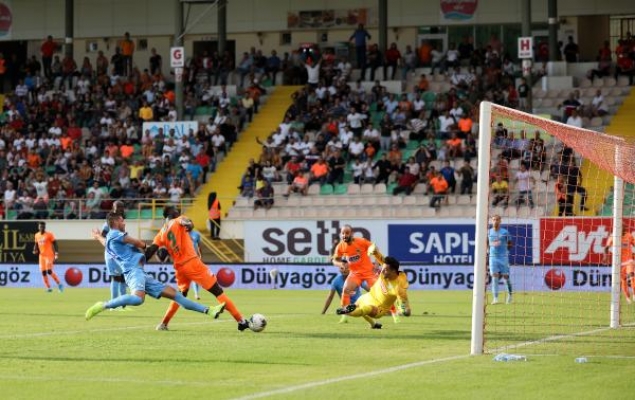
117	284
123	249
196	242
499	242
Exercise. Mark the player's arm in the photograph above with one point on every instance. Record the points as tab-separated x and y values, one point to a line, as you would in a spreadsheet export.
140	244
607	250
198	251
403	302
187	223
36	248
341	263
329	299
375	252
55	248
98	236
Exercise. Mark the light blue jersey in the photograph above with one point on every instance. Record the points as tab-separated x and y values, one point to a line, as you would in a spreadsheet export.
196	239
498	251
111	265
338	286
126	256
130	260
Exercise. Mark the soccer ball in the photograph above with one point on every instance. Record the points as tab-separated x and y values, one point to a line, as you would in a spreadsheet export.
257	323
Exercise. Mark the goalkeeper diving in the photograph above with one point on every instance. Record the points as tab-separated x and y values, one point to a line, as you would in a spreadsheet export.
390	289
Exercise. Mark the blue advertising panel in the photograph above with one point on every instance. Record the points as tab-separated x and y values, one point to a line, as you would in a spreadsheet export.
451	243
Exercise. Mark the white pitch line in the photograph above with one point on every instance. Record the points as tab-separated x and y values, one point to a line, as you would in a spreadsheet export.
103	380
311	385
122	328
324	382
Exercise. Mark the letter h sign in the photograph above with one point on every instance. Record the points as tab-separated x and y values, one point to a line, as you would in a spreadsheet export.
526	47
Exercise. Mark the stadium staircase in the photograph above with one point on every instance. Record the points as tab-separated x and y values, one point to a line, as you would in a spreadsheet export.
226	179
621	125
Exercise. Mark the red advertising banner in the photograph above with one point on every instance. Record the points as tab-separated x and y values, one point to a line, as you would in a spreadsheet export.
458	10
575	240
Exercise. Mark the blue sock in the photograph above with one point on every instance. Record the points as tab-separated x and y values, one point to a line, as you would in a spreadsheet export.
495	287
125	300
122	288
189	304
114	289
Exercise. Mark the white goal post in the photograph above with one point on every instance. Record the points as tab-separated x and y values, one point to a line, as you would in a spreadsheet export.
609	153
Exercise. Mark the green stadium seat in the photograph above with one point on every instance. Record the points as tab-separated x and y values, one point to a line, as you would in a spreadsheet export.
326	189
412	145
132	214
12	214
202	110
158	213
146	213
341	189
390	187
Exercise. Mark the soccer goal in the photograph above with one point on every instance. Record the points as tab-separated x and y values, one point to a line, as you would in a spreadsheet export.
561	195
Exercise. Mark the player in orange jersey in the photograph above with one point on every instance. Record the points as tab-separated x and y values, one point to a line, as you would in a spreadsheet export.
46	247
627	272
174	236
353	254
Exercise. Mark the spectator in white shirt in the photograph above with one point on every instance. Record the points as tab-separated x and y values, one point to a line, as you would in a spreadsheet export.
355	149
575	119
355	121
107	159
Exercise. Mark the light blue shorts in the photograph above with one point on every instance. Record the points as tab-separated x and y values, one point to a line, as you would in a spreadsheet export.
113	268
498	266
138	281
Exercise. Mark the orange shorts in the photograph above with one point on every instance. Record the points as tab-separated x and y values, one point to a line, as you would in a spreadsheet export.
46	263
360	276
194	271
628	266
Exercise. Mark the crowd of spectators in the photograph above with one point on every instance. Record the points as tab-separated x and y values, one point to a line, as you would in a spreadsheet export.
72	138
336	131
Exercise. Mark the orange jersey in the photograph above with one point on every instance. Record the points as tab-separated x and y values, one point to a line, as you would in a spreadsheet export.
628	241
44	243
176	239
356	254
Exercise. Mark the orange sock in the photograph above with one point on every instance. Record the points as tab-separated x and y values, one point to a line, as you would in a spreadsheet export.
46	281
346	299
55	278
229	306
172	309
625	288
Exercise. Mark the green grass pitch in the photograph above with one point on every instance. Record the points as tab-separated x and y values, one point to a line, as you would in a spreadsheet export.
48	351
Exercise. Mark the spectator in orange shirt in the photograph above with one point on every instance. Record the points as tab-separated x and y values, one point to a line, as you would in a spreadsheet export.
126	150
65	141
33	159
439	187
127	50
423	84
394	155
454	146
300	185
425	53
319	171
465	125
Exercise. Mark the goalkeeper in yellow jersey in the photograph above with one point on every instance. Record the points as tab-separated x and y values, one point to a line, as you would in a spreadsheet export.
391	287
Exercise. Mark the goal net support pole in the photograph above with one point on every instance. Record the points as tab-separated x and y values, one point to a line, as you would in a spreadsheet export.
616	260
609	153
480	252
